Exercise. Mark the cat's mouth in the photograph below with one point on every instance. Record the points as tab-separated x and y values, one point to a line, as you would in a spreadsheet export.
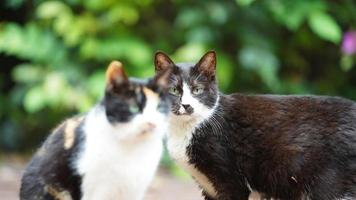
184	110
181	113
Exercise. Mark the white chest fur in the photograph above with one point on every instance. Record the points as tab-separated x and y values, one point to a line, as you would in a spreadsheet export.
179	136
114	167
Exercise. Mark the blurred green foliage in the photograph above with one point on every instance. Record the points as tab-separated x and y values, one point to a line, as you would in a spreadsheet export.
63	47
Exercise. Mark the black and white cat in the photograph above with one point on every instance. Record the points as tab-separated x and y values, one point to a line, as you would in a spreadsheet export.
283	147
111	152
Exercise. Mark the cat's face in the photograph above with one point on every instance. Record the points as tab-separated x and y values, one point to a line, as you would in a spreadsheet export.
192	87
134	102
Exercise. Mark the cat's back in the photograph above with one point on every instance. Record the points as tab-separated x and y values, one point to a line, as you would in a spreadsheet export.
278	106
50	173
291	118
305	101
292	124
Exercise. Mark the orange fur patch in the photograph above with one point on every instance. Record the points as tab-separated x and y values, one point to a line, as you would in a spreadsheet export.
114	72
58	195
69	132
150	94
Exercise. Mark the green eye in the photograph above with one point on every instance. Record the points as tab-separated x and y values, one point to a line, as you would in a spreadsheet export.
174	91
133	108
198	90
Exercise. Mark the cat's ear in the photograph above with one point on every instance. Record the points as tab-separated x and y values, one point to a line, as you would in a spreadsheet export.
207	64
115	75
162	61
162	78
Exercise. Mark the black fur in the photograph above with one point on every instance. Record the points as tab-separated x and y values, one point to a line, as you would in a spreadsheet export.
52	166
285	147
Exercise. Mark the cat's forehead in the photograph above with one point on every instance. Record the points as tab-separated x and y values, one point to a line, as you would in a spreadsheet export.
186	72
182	72
185	67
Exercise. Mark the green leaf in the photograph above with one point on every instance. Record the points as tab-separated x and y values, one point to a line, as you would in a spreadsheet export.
225	71
324	25
346	62
99	5
51	9
244	2
200	34
27	73
124	13
54	87
62	23
34	99
189	17
264	62
137	51
97	83
30	42
217	12
190	52
14	3
293	13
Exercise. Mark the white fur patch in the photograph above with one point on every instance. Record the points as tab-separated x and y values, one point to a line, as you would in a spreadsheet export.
118	162
180	130
187	97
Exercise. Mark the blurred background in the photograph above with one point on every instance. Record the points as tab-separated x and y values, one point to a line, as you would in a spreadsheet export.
53	55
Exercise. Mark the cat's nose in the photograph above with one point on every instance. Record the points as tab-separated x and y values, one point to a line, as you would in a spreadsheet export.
188	108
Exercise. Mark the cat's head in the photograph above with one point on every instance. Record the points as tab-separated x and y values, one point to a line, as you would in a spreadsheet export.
192	87
135	102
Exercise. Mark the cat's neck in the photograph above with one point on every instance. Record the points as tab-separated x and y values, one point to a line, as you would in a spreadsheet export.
180	133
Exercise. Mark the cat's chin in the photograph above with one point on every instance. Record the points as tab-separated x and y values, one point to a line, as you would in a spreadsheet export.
183	117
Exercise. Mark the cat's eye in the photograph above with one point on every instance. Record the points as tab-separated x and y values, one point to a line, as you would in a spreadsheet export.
134	108
198	90
174	91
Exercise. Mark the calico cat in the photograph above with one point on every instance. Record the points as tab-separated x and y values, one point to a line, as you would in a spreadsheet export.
283	147
110	153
